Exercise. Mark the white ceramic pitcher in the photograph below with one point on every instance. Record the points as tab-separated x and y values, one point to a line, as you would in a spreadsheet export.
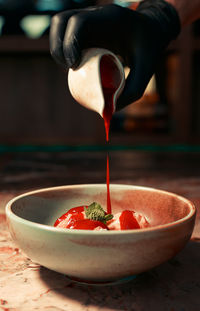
85	82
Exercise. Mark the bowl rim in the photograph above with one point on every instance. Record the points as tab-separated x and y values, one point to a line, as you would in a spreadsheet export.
11	215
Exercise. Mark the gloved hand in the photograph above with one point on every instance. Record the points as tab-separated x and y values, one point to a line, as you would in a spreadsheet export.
139	37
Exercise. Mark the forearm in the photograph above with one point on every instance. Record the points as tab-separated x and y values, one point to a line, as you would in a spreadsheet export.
188	10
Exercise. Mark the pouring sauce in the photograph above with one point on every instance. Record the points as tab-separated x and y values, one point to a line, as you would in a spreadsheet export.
110	80
75	218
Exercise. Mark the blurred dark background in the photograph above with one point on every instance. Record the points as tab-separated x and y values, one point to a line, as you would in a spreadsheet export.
37	108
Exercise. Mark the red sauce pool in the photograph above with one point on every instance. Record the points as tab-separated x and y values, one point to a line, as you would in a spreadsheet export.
77	220
87	224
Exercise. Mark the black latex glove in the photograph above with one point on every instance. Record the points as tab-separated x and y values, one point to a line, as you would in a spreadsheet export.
139	37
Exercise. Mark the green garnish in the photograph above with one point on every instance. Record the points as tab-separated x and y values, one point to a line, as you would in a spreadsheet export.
95	212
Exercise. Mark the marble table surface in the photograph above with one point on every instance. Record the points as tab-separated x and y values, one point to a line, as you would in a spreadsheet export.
172	286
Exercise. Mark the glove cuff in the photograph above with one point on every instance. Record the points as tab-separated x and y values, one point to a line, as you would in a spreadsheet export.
165	14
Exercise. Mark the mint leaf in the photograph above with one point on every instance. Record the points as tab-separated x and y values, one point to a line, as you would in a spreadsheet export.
95	212
108	217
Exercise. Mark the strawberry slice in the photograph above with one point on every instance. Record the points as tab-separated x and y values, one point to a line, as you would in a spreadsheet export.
75	212
128	221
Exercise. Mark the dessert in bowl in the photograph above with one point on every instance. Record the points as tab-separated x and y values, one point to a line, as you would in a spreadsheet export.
100	255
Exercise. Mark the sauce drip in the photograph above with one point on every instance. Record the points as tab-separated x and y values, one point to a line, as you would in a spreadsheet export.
109	80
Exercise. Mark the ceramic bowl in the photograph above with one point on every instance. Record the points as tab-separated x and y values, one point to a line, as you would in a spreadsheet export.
100	256
85	82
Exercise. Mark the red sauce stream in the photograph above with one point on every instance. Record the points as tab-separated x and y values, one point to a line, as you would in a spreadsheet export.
109	210
108	82
107	115
108	110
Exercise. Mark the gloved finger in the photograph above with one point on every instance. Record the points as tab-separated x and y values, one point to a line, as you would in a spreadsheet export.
95	27
84	31
141	71
57	33
75	39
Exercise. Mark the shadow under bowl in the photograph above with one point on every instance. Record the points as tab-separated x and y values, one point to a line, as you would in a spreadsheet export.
100	256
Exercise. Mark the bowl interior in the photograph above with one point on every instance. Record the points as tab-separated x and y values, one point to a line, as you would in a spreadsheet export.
45	206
